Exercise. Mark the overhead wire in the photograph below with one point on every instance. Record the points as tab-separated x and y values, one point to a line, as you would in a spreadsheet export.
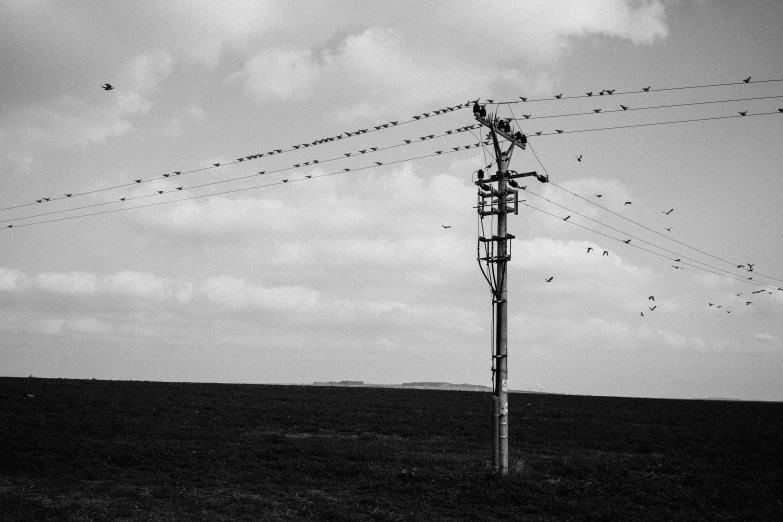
201	196
641	91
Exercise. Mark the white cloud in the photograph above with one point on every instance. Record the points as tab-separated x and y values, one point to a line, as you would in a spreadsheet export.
139	284
236	293
12	279
75	283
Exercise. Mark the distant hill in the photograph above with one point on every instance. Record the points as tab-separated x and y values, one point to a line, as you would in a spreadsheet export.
409	385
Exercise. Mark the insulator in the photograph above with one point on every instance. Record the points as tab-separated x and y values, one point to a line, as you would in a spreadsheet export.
476	108
484	186
480	174
513	183
483	111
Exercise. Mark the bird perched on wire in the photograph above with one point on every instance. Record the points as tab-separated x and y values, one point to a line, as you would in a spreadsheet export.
646	89
558	96
107	87
743	113
596	110
747	80
624	107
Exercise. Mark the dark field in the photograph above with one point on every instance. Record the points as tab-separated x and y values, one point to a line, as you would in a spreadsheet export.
102	450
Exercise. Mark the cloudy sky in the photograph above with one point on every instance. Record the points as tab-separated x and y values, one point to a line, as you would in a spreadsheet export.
241	277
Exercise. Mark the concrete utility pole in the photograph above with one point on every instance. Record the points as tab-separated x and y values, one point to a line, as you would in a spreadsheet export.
503	199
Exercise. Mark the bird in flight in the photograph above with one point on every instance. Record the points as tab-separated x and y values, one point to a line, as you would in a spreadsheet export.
750	267
589	249
651	298
668	229
566	218
606	253
641	313
627	203
579	158
711	304
667	213
653	308
446	226
107	87
748	303
677	267
549	280
598	195
627	241
747	80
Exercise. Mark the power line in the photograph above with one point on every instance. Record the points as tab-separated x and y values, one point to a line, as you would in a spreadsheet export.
344	135
559	132
641	225
630	109
344	156
641	91
306	178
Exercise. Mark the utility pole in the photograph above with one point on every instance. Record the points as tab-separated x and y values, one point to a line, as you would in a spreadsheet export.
504	198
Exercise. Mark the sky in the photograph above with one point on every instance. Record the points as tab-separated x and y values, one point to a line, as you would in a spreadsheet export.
351	275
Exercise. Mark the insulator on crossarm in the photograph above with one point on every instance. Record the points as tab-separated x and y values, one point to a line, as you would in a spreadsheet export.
483	111
476	108
513	183
480	174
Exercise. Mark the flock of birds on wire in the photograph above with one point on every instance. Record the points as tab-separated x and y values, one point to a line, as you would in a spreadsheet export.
579	158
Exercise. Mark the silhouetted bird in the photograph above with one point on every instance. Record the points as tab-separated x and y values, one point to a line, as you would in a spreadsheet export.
523	98
748	303
160	192
651	298
558	96
747	80
566	218
624	107
743	113
179	188
646	89
538	133
677	267
668	229
107	87
589	249
627	203
527	116
216	164
309	176
378	163
137	180
598	195
559	131
589	93
641	313
653	308
750	267
667	213
606	253
627	241
122	199
710	304
677	260
579	158
596	110
68	195
610	92
549	280
446	226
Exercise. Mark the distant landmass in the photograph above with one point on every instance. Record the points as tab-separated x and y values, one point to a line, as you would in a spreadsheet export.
426	385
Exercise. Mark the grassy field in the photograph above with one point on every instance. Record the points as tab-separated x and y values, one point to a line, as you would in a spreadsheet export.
108	450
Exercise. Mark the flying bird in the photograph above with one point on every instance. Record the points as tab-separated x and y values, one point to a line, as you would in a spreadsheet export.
589	249
309	176
667	213
598	195
740	266
579	158
549	280
68	195
627	203
677	260
216	164
747	80
641	313
668	229
137	180
446	226
627	241
566	218
651	298
748	303
107	87
750	267
606	253
122	199
179	188
653	308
